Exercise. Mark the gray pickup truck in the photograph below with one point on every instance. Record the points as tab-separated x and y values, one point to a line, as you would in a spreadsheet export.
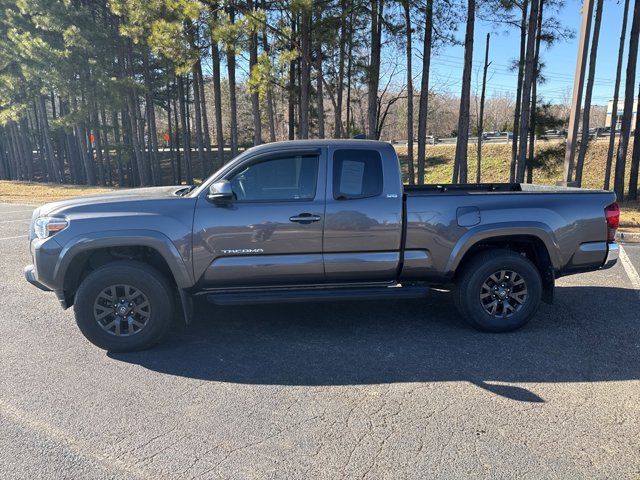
310	221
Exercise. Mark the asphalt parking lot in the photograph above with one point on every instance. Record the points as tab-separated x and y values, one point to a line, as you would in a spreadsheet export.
370	390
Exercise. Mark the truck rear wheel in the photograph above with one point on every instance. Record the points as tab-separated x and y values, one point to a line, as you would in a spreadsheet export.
498	291
124	306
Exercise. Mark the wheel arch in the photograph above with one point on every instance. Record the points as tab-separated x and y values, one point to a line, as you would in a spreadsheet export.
535	244
87	252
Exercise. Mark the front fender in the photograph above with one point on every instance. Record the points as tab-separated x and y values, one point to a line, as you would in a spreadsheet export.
484	232
124	238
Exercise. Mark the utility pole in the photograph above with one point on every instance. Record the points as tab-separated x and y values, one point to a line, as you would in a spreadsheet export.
578	83
481	114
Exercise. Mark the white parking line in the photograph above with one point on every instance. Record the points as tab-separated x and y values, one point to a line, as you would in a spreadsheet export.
17	220
11	238
631	270
15	211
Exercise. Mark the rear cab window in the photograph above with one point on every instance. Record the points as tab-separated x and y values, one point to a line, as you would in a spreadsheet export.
357	174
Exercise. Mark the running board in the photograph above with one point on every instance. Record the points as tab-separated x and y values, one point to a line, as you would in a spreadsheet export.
316	295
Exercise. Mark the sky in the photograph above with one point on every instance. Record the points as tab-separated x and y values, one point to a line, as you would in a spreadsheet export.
559	59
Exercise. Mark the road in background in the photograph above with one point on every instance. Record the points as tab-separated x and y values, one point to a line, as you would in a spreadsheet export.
373	390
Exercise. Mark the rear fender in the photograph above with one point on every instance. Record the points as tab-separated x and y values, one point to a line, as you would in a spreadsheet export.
496	230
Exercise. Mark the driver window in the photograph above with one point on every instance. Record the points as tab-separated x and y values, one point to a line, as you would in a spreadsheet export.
279	179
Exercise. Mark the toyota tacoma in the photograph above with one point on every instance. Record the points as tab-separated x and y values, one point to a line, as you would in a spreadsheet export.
313	220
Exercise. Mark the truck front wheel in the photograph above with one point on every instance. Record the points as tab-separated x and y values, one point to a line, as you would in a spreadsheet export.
124	306
498	291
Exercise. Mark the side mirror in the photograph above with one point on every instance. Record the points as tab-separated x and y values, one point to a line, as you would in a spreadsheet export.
220	191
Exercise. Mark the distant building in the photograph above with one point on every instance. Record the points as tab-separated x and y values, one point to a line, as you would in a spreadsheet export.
607	122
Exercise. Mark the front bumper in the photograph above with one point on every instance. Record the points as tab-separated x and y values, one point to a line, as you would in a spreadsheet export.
41	274
613	252
30	275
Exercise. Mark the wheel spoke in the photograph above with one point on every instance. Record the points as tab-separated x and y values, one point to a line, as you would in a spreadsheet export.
105	313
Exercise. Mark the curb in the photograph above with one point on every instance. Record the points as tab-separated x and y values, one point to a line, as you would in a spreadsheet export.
628	237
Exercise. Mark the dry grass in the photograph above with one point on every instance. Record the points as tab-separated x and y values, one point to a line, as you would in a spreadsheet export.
37	193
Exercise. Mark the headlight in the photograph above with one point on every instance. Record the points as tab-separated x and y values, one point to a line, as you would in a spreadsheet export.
46	226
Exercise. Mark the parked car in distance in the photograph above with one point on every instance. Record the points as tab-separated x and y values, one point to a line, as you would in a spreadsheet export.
314	220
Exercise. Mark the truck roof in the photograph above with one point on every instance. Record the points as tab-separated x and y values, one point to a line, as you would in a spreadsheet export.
320	142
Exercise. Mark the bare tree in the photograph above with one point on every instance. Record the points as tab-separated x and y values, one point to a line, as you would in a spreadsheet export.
233	102
516	113
377	9
616	91
534	97
621	157
460	161
635	160
586	111
217	92
481	114
424	91
407	18
523	130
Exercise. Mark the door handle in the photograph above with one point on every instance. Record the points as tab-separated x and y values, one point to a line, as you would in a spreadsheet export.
305	218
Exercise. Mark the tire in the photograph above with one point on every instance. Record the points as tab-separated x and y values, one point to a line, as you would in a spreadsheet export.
488	306
103	296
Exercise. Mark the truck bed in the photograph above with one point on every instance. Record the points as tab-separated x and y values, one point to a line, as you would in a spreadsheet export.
490	187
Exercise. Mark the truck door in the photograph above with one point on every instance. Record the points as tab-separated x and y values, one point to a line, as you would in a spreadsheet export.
363	222
271	233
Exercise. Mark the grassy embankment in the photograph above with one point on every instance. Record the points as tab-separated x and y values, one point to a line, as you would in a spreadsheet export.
495	168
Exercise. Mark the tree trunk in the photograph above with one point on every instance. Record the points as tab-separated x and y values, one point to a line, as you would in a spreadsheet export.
320	93
97	142
177	140
255	98
616	90
629	105
407	20
462	142
185	130
291	87
635	160
172	150
481	113
337	114
534	97
151	119
516	113
217	94
205	120
377	10
424	91
269	94
523	131
16	153
233	103
584	141
348	128
305	70
198	114
107	147
52	164
116	139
